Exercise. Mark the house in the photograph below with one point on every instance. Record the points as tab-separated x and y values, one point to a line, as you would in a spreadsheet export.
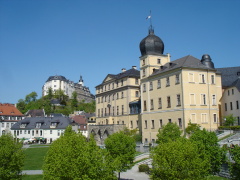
49	128
35	113
9	115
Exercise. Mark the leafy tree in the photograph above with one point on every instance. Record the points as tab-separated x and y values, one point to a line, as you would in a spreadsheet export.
31	97
72	157
21	105
134	133
177	160
74	101
208	142
121	151
169	132
230	120
235	166
11	158
192	128
50	93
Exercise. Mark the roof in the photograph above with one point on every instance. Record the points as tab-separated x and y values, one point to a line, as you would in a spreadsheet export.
46	122
61	78
80	119
35	113
9	110
230	77
129	73
187	61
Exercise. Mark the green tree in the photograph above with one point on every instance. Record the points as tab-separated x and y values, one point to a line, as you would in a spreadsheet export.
74	101
208	142
31	97
169	132
11	158
229	120
121	150
235	166
72	157
177	160
21	105
191	128
50	93
134	133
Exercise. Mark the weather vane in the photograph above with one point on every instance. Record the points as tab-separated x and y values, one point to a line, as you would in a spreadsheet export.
150	17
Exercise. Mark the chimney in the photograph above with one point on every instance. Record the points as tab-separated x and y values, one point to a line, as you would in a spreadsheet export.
134	67
123	69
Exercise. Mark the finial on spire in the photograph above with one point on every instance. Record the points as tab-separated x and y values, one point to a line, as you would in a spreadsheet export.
150	30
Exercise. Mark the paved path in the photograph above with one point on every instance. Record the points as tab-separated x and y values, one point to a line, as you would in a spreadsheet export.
131	174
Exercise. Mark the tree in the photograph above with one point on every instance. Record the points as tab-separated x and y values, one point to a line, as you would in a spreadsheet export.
208	142
121	150
179	159
169	132
235	166
230	120
50	93
134	133
21	105
72	157
74	101
31	97
11	158
192	128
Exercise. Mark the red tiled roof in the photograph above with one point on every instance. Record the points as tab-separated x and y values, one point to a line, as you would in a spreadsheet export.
80	119
9	110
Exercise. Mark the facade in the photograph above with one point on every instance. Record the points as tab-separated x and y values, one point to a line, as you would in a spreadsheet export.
230	101
68	87
9	115
114	95
49	128
180	91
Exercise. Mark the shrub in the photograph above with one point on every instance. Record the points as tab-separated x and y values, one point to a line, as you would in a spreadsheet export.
143	168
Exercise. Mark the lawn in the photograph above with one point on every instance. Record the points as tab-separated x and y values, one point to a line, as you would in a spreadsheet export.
31	177
215	178
34	158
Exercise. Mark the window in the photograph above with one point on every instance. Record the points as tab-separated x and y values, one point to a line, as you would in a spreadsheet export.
122	109
58	133
177	79
168	102
105	111
193	118
178	100
231	106
32	132
144	105
117	96
159	61
144	87
159	103
131	124
159	84
38	125
113	110
2	124
237	105
203	99
180	122
191	77
151	86
28	131
225	106
228	92
136	80
144	72
160	123
113	96
204	118
215	118
136	94
105	98
137	123
201	78
143	62
169	121
167	81
117	110
192	99
232	91
117	83
145	124
122	95
98	112
109	87
102	112
102	100
112	85
50	131
212	79
122	82
214	100
152	106
153	124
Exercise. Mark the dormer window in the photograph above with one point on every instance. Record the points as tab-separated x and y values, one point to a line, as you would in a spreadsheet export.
53	125
23	125
38	125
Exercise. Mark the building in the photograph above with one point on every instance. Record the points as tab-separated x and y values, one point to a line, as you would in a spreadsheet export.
9	115
35	113
68	87
49	128
180	91
230	100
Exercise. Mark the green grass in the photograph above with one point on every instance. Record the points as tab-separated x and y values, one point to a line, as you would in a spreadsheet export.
39	145
215	178
34	158
31	177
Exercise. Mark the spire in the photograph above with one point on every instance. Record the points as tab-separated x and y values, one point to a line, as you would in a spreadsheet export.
150	29
81	80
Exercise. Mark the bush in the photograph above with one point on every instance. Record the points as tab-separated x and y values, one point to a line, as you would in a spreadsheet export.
143	168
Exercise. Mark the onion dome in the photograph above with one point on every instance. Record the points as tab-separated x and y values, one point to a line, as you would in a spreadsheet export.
207	61
151	45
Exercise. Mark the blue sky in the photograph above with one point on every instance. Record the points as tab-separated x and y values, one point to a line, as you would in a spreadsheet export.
41	38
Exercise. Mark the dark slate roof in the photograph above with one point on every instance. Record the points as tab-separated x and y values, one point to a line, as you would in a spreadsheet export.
62	123
56	115
55	101
230	77
36	113
61	78
187	61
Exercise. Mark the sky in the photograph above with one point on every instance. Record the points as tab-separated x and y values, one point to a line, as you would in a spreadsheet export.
93	38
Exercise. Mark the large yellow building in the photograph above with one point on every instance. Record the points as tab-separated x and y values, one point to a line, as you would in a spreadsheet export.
179	91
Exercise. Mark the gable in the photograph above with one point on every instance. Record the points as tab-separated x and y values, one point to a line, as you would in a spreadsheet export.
108	78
